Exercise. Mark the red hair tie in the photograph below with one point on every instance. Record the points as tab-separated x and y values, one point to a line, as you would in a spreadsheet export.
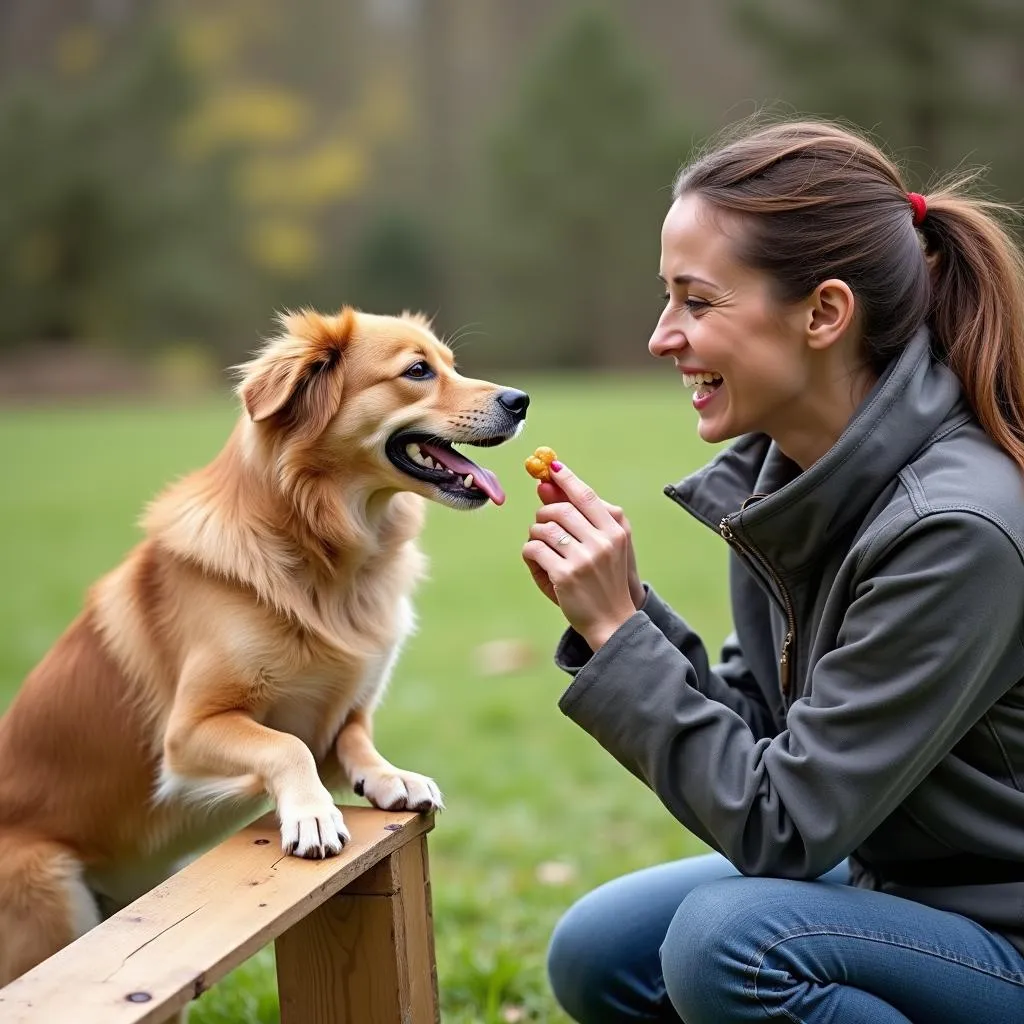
920	205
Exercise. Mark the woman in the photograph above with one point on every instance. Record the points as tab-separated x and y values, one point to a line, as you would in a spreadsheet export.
857	756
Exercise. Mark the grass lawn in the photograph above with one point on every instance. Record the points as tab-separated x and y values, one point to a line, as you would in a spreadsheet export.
537	812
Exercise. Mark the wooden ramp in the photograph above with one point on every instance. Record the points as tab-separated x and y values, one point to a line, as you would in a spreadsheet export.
353	934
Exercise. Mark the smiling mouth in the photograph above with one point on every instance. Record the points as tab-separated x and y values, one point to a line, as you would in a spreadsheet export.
433	460
703	384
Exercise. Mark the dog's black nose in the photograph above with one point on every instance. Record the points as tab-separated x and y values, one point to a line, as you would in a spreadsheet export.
515	401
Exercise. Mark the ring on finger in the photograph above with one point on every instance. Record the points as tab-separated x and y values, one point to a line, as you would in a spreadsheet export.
563	540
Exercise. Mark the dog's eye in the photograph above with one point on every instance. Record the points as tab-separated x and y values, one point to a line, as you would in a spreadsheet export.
419	371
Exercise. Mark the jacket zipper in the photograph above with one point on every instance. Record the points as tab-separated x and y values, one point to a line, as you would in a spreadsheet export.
731	539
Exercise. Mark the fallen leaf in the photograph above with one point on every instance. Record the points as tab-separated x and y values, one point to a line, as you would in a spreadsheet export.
555	872
503	657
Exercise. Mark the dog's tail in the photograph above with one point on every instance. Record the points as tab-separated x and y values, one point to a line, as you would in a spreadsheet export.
44	903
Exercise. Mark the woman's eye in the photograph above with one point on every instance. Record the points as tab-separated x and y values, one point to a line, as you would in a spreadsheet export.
693	305
419	371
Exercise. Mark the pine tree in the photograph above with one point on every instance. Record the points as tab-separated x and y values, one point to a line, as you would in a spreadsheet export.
108	240
933	78
579	177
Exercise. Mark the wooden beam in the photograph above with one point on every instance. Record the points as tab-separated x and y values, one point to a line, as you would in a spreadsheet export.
171	944
366	955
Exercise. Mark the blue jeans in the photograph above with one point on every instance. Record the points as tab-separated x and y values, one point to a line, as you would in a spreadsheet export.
695	941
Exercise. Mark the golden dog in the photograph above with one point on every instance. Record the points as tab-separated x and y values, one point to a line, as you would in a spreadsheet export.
240	649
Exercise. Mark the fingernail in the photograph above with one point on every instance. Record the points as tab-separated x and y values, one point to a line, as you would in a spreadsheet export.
556	466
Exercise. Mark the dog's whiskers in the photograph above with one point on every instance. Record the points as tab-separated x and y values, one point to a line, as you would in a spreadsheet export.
461	334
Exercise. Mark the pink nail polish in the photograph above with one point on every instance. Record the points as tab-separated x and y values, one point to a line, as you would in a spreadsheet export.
556	465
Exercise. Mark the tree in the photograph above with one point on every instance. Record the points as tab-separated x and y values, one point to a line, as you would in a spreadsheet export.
579	175
393	265
108	240
934	78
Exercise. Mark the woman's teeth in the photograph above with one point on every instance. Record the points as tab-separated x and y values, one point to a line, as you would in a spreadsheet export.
691	380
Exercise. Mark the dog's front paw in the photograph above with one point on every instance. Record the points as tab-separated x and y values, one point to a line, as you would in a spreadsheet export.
312	828
391	789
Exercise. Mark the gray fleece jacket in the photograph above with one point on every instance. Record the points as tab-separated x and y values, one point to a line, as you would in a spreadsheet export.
870	702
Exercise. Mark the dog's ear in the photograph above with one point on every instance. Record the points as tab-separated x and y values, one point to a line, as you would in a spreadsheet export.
298	377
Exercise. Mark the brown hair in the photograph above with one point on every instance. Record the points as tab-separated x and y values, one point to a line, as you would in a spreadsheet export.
819	201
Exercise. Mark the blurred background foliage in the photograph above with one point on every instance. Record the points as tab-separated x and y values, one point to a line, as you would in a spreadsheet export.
172	171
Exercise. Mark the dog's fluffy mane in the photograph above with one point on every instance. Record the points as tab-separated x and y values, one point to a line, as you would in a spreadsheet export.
264	509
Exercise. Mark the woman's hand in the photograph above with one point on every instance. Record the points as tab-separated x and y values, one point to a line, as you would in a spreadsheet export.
580	555
549	494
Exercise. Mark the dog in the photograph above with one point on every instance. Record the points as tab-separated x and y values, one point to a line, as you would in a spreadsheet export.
239	651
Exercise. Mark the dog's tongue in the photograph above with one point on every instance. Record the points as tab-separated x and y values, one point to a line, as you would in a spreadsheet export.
458	463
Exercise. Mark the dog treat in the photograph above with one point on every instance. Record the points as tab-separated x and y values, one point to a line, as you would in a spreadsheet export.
539	463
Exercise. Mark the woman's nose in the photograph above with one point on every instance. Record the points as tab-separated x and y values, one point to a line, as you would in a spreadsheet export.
664	341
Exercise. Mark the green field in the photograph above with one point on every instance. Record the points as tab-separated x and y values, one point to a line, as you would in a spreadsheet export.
524	786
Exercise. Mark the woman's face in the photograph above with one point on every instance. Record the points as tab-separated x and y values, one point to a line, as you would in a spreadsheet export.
744	354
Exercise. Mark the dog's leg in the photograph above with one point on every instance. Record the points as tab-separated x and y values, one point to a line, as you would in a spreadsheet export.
370	775
44	904
202	740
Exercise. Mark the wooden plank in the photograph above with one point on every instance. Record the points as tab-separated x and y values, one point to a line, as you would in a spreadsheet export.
174	942
366	956
426	1005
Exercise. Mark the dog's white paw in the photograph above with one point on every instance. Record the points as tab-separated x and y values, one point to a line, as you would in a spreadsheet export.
313	829
391	789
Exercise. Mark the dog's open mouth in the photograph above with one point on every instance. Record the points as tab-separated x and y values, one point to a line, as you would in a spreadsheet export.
433	460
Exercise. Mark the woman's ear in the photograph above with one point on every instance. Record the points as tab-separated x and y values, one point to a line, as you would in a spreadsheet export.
831	311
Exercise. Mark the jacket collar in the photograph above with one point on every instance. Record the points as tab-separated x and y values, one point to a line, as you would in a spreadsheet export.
791	516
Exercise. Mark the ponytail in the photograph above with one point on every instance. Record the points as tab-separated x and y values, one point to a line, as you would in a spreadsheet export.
977	308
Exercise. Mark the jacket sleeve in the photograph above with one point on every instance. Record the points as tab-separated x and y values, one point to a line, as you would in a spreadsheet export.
730	682
930	640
